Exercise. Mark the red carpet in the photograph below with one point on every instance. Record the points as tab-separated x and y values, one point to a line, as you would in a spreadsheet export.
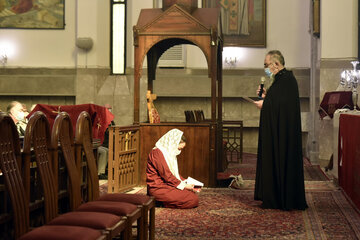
231	214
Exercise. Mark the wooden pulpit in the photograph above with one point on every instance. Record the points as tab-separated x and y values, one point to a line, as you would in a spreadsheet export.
157	30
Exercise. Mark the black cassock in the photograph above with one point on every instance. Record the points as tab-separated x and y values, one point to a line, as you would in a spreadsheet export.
279	172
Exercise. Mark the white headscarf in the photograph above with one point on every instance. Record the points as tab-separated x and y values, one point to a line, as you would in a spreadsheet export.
168	145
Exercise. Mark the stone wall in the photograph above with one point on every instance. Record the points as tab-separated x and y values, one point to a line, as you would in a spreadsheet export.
177	90
330	70
37	85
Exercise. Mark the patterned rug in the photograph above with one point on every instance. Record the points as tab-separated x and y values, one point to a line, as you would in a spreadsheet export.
233	214
230	214
310	186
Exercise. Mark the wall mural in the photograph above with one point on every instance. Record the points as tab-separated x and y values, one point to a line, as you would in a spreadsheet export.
32	14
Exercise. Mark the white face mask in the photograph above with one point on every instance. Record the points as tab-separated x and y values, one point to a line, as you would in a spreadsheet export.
20	116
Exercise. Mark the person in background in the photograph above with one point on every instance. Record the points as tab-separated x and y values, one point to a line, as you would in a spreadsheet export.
103	151
279	182
162	174
15	111
25	110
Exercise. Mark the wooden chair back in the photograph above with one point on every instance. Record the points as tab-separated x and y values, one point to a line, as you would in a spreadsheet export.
197	116
192	116
83	142
9	165
189	116
37	135
202	116
62	133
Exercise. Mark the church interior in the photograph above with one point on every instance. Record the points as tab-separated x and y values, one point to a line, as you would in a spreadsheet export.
125	72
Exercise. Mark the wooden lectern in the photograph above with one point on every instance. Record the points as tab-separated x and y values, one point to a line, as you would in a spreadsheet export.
182	22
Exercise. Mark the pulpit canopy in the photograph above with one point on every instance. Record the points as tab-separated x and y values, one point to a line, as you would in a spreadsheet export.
187	5
178	22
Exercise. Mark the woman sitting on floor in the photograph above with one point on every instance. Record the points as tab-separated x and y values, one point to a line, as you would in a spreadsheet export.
162	174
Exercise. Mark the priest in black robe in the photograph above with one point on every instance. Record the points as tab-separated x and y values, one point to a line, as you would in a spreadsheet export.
279	180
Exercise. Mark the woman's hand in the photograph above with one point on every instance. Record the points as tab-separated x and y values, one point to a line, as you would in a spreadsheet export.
259	103
189	187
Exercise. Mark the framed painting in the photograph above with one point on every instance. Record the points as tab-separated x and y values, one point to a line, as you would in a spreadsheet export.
316	18
32	14
243	21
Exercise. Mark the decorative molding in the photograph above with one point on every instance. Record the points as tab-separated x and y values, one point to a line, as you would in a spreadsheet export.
167	14
36	71
336	63
226	72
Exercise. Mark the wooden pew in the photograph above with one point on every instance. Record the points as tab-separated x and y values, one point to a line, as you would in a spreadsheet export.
9	164
63	133
83	140
34	192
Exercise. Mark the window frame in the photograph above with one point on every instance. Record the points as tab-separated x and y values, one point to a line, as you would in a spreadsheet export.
112	5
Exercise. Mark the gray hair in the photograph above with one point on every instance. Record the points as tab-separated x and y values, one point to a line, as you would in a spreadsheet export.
276	55
11	106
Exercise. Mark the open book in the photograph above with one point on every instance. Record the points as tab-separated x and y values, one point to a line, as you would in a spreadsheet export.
197	184
194	182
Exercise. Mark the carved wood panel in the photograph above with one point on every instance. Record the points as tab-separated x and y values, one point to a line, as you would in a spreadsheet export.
194	160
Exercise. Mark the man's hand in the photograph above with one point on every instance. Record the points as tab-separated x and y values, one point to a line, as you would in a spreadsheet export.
258	91
259	103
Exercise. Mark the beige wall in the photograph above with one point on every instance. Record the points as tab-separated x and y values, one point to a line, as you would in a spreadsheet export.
56	48
287	30
179	90
37	85
93	20
42	48
338	41
339	46
339	29
287	23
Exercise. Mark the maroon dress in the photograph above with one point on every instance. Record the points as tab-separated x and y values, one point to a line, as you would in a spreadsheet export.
162	184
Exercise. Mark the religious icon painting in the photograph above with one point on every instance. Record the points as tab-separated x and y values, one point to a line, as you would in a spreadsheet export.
32	14
243	22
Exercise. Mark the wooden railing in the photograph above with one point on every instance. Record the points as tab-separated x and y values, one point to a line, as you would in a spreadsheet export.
123	170
233	141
